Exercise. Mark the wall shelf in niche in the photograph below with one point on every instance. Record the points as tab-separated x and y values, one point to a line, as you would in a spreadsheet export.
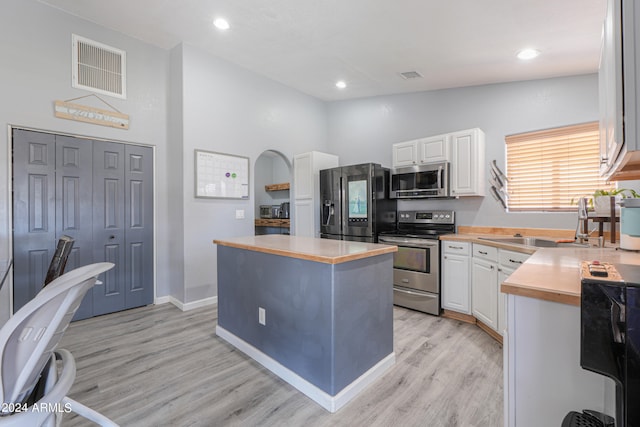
277	187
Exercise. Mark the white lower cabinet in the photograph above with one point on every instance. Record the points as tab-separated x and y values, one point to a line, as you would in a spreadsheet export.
484	291
508	262
456	289
471	279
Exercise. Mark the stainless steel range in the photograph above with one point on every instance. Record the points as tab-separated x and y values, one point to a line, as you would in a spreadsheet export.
416	265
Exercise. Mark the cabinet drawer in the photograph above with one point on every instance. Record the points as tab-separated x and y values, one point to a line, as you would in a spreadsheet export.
459	248
510	259
485	252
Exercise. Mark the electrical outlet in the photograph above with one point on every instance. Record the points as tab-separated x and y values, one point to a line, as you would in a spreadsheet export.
262	316
239	213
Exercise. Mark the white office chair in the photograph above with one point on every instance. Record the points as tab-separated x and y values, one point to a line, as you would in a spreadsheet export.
28	355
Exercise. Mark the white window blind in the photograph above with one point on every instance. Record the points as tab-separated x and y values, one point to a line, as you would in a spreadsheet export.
549	168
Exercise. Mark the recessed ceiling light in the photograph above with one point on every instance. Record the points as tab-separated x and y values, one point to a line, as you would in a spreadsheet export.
341	84
528	53
221	24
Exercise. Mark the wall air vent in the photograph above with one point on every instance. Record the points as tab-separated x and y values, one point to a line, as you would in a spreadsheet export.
98	67
407	75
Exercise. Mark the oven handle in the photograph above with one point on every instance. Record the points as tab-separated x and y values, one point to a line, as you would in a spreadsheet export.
420	294
406	243
439	182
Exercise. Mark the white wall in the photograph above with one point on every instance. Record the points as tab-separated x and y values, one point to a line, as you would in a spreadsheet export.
364	129
231	110
35	47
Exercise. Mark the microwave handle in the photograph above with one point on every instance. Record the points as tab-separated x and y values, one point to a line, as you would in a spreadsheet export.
439	182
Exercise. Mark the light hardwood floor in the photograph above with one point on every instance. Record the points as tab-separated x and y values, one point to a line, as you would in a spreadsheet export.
158	366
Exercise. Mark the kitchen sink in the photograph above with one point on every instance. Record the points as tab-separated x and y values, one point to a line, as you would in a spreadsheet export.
533	241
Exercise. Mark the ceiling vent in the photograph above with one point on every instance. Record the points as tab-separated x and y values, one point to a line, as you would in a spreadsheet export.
98	67
407	75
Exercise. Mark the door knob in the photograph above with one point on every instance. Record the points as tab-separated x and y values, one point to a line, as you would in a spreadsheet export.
112	237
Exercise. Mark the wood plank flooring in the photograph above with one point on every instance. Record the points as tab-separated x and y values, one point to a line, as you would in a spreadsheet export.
158	366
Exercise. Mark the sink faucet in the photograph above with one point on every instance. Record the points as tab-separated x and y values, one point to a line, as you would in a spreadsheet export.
582	229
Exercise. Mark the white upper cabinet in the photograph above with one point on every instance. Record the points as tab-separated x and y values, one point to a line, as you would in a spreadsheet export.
424	150
464	150
619	92
467	163
405	154
303	176
433	149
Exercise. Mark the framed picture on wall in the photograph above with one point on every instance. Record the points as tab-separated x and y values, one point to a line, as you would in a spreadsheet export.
221	176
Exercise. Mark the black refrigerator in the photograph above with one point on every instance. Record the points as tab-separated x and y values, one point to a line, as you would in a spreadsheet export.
355	203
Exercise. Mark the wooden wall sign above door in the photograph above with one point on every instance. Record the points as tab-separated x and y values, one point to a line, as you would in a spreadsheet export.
85	113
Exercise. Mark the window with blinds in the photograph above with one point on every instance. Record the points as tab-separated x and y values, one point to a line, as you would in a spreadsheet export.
549	168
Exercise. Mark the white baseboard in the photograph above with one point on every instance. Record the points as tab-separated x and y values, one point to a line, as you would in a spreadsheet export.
189	305
328	402
162	300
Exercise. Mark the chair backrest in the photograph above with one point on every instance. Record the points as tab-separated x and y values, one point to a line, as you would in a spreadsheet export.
29	338
59	260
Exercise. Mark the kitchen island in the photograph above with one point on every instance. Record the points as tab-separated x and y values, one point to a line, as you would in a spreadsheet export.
316	312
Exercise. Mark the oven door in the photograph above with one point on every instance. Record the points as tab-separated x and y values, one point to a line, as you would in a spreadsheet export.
416	264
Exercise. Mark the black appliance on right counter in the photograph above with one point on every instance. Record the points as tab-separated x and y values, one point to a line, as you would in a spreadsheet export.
610	338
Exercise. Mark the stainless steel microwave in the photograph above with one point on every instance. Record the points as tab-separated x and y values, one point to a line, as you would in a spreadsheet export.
420	181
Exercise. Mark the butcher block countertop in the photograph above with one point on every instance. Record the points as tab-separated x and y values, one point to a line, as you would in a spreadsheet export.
551	274
308	248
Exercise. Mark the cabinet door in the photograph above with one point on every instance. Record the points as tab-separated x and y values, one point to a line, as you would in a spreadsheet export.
503	273
303	176
405	154
484	292
433	149
467	163
304	218
456	283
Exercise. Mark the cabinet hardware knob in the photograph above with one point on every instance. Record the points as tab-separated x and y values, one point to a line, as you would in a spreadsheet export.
482	252
514	261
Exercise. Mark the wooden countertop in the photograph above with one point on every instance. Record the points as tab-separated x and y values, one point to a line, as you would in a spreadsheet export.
551	274
319	250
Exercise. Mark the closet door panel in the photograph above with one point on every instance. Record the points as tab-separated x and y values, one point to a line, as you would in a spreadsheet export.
74	205
34	235
139	225
109	225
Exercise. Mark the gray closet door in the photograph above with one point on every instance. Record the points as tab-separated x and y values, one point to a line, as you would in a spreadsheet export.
34	234
139	225
108	224
101	194
74	204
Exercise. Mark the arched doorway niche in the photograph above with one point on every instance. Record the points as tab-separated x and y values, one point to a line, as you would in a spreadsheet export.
272	178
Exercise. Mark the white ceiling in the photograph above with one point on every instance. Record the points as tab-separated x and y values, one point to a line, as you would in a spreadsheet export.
310	44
